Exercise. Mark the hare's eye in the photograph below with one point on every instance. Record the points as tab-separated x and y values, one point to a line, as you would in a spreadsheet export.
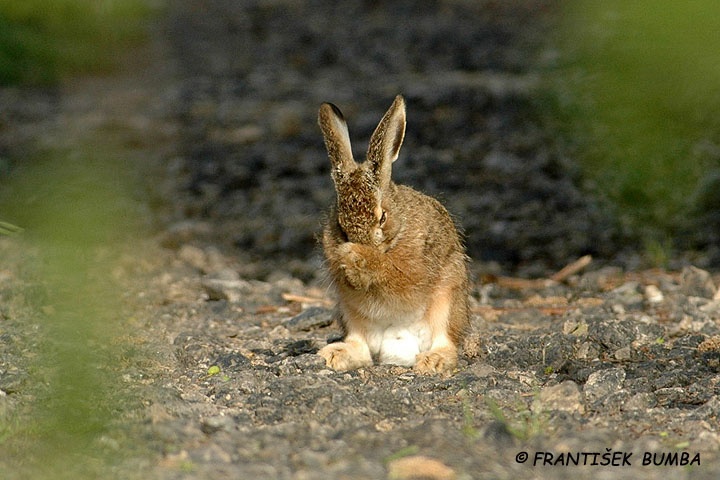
383	217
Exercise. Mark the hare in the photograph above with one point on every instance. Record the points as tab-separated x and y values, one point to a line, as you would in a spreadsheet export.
394	256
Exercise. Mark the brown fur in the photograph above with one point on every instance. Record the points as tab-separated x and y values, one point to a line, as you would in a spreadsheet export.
391	251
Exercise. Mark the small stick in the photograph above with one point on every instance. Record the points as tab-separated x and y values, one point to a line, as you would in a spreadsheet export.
557	277
523	283
572	268
291	297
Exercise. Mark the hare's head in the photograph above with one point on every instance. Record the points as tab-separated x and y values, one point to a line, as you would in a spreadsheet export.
364	207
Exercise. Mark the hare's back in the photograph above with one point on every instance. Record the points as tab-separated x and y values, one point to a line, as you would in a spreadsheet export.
424	212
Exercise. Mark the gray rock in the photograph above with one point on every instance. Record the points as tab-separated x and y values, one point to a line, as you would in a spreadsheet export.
602	383
695	282
623	354
216	423
310	319
627	295
565	397
301	363
226	285
671	396
640	401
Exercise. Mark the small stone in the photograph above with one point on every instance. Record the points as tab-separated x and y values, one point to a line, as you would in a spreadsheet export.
622	354
628	296
598	280
306	362
216	423
565	397
653	295
575	327
384	425
711	307
310	319
695	282
231	361
225	286
587	351
670	396
640	401
417	467
604	382
709	409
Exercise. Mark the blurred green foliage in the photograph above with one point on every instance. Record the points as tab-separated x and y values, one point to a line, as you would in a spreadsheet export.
9	229
42	40
641	84
78	213
80	217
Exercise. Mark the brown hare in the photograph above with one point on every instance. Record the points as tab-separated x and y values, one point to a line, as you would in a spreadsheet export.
394	256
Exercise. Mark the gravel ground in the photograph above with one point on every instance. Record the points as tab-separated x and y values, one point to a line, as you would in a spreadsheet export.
220	309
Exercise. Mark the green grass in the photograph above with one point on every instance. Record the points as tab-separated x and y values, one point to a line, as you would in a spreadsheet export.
638	95
9	229
524	424
43	40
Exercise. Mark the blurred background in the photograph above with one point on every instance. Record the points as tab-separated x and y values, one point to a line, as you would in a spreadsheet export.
550	129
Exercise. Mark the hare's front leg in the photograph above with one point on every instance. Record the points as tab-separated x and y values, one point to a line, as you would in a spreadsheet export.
349	354
445	312
437	360
358	263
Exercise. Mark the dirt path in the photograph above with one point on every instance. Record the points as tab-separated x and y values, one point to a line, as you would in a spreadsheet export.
213	373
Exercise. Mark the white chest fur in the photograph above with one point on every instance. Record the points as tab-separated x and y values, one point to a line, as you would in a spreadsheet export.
396	336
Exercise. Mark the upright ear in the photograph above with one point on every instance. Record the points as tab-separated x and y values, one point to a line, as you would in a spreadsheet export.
386	140
337	139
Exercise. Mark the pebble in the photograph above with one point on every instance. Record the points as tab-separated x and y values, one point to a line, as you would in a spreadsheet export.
640	401
627	296
225	285
695	282
216	423
419	467
653	295
310	319
302	363
565	397
603	383
623	354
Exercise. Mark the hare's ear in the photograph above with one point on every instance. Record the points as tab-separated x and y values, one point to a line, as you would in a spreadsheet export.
386	140
337	139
